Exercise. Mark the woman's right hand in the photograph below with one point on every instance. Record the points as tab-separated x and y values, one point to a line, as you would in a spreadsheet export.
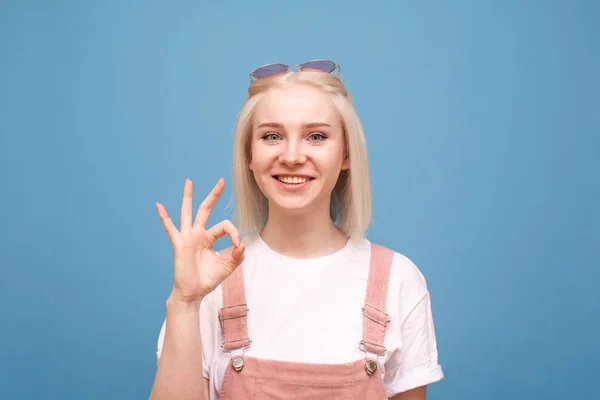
198	270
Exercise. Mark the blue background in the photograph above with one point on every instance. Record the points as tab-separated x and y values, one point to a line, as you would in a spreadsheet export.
482	120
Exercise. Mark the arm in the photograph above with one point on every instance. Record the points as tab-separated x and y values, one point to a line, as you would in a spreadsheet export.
197	271
413	394
179	373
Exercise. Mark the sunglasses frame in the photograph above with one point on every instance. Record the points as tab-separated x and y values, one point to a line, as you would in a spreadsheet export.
301	66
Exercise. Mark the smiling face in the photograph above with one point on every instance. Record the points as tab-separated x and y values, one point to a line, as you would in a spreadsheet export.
297	148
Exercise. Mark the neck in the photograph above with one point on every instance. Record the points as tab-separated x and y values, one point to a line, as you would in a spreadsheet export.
302	235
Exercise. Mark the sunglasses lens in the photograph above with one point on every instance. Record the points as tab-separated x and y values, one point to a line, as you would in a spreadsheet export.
268	70
320	65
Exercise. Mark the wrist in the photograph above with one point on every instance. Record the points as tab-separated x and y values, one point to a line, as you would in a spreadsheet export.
176	300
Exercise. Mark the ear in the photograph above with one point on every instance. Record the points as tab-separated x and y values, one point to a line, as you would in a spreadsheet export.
249	154
346	164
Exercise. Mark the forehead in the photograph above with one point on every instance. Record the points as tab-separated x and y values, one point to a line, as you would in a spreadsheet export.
297	104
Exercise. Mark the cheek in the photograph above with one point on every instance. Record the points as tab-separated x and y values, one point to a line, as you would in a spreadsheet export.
334	158
262	156
258	160
255	159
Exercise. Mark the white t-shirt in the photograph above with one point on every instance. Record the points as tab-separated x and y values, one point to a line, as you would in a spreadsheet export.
309	310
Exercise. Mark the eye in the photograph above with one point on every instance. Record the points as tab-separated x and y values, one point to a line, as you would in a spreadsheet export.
317	137
270	136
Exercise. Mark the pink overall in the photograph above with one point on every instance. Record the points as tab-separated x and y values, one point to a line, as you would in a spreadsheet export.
249	378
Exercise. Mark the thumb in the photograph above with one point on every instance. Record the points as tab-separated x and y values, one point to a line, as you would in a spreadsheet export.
232	257
237	255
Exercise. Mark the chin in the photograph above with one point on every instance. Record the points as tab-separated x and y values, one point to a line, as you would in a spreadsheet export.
293	207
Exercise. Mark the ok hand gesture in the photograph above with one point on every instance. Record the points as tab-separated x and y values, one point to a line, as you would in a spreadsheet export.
198	270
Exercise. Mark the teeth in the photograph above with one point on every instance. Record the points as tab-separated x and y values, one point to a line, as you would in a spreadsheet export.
292	179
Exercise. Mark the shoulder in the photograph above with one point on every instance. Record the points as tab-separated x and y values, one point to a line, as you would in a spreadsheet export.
403	269
407	273
407	285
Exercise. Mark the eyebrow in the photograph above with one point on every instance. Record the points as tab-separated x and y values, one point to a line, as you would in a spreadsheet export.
309	125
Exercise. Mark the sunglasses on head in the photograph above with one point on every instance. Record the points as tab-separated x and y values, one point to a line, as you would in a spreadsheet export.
268	70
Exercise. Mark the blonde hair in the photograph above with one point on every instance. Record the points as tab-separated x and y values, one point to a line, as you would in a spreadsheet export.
350	203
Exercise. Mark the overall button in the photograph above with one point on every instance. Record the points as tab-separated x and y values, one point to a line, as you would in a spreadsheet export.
370	367
237	363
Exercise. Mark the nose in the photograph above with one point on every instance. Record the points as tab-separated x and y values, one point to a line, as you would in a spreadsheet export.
292	156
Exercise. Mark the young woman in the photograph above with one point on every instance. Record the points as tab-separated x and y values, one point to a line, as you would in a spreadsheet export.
302	305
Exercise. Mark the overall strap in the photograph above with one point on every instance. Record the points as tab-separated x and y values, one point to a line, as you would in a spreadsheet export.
234	313
375	317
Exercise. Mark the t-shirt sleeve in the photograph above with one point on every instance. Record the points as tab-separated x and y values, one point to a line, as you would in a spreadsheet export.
416	362
210	330
161	340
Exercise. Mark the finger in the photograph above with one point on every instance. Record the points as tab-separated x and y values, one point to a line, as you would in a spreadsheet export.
166	220
186	205
209	202
224	228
